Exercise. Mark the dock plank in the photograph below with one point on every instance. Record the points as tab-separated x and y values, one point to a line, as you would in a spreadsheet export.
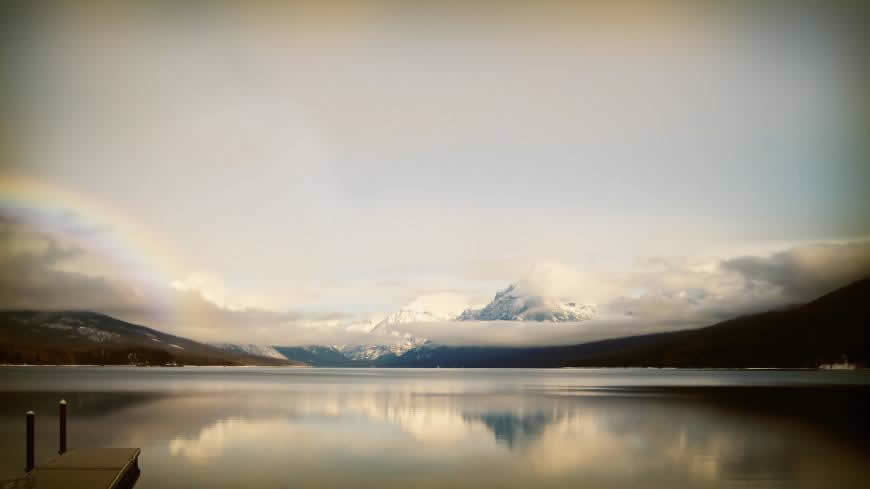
73	479
97	468
92	458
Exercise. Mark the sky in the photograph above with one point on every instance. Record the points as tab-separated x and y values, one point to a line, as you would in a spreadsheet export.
277	174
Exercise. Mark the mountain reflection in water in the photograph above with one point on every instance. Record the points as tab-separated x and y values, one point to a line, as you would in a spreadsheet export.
207	428
512	429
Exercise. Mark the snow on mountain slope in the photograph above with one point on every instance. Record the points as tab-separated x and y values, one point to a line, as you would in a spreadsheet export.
512	305
373	352
388	337
383	336
251	349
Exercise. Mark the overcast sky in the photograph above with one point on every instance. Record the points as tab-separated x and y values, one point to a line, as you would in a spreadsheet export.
273	173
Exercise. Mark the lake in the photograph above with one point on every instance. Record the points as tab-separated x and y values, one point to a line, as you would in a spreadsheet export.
383	428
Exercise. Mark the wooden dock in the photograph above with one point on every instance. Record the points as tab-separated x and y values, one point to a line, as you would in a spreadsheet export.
95	468
92	468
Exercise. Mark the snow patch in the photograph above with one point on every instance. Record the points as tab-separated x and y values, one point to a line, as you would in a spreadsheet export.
512	305
96	335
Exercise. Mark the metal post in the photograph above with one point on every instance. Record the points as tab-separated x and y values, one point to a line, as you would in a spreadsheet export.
29	465
62	442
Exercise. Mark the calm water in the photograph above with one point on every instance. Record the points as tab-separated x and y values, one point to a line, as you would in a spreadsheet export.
380	428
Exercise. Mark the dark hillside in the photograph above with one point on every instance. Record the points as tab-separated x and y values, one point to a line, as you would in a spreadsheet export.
81	337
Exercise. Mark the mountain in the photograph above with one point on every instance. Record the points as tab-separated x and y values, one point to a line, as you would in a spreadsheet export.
827	330
265	351
389	330
512	305
376	351
389	340
349	355
81	337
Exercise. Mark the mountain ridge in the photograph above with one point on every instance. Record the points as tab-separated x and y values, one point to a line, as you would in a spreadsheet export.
831	329
85	337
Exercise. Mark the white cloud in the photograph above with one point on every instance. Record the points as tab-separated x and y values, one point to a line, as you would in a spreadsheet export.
442	304
214	290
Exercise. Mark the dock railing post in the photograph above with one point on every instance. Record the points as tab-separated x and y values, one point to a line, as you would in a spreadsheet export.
29	455
62	433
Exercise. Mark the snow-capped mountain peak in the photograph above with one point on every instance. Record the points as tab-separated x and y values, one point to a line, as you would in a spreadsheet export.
511	304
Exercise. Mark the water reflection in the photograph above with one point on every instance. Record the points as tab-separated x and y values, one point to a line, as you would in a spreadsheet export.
211	441
389	434
511	429
606	440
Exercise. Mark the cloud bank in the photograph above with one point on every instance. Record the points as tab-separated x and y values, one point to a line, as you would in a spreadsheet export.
38	271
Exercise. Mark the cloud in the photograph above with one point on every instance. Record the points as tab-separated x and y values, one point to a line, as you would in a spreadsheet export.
657	294
551	279
213	289
804	273
531	333
36	273
31	275
442	304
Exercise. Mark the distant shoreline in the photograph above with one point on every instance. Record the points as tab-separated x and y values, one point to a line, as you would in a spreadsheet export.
797	369
147	366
